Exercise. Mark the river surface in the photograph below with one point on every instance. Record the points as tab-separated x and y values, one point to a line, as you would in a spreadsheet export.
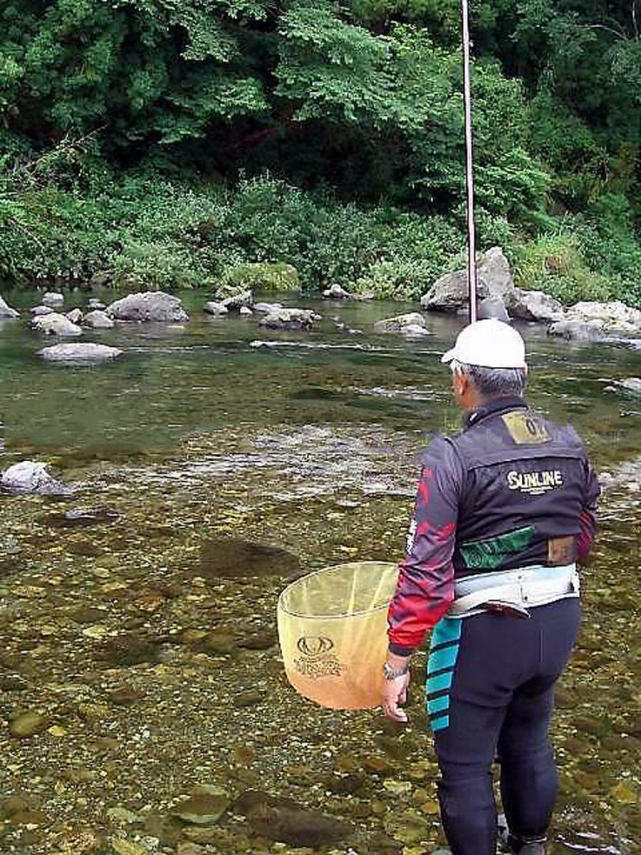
213	462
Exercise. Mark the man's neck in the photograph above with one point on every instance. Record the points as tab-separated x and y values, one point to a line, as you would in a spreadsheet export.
493	405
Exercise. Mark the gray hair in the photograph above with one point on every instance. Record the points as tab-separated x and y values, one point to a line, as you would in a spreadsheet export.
493	382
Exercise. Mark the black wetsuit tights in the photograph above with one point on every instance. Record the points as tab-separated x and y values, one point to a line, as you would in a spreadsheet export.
491	690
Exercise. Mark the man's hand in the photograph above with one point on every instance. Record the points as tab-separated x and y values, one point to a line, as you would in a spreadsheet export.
395	692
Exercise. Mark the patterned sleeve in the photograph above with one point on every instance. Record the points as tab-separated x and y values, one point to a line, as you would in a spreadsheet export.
425	586
588	515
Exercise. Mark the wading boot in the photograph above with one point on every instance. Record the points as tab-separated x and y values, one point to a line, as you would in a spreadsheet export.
531	847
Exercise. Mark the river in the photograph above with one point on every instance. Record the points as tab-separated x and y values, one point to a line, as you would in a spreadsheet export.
213	462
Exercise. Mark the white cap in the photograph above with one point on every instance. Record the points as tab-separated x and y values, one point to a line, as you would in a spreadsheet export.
490	344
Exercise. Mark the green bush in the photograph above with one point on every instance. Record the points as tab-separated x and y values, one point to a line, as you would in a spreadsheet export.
262	276
556	264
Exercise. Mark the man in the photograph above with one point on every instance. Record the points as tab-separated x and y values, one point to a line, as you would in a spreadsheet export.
503	511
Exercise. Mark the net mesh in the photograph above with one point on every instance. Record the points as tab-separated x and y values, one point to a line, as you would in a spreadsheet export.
332	627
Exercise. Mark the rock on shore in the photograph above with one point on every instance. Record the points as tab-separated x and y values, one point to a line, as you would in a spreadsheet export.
81	352
534	306
148	306
30	477
6	311
613	317
450	292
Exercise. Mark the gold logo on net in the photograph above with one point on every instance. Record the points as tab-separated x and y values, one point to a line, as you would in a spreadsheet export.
317	659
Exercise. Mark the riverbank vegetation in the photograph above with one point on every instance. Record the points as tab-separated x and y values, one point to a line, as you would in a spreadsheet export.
157	143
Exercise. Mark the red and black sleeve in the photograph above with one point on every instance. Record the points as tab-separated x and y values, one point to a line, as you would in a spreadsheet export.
425	587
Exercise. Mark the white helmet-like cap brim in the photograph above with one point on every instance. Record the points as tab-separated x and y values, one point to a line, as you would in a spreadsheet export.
488	343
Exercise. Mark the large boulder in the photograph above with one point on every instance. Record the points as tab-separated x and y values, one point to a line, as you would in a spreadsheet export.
401	323
30	477
289	319
6	311
575	330
98	320
148	306
215	309
494	279
53	298
79	352
493	307
55	324
534	306
614	317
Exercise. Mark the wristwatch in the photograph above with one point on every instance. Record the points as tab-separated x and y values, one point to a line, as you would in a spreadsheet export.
392	673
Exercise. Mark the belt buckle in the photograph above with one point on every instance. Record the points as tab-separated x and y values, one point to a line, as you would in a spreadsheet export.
502	608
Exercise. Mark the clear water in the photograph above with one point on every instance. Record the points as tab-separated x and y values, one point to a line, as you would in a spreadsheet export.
217	431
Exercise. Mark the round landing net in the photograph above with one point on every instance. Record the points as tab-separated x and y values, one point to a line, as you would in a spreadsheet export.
332	627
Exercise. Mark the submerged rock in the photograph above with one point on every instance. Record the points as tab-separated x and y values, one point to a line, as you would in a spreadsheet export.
203	808
55	324
494	279
297	826
98	320
401	323
232	559
213	308
289	319
28	724
129	650
30	477
86	352
6	311
148	306
80	517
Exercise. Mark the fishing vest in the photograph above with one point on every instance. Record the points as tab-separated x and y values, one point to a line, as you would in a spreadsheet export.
523	494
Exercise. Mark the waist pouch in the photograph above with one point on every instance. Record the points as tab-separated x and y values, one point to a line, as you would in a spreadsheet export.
513	591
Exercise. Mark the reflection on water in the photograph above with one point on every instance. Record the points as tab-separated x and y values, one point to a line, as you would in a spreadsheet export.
216	446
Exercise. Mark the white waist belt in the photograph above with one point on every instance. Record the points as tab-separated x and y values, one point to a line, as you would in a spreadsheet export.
514	590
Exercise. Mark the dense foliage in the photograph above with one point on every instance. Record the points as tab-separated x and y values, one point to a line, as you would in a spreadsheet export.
165	140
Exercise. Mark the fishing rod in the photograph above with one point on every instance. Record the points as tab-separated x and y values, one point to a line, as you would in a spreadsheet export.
469	162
